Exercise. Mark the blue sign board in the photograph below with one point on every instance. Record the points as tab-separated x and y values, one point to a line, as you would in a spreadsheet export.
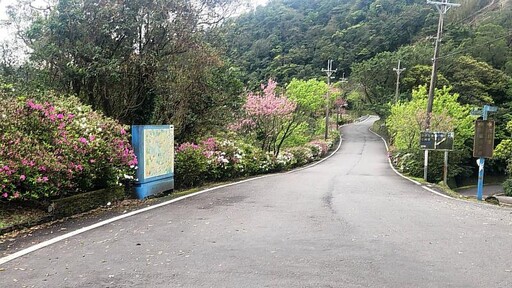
154	148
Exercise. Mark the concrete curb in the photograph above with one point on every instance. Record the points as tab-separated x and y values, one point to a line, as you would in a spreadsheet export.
407	178
432	190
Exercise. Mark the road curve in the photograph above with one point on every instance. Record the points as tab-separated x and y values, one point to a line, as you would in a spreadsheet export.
348	222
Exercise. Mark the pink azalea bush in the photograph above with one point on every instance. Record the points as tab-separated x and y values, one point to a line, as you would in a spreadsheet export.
59	147
221	159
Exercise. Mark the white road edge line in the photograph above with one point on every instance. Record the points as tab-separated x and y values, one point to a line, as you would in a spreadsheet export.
405	177
132	213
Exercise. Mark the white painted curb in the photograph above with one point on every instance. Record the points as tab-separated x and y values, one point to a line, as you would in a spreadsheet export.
405	177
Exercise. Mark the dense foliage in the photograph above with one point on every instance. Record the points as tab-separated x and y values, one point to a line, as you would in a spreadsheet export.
137	61
294	38
59	147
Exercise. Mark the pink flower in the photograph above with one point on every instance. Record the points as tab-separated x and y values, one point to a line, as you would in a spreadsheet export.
83	140
23	177
60	116
4	195
16	194
123	131
91	138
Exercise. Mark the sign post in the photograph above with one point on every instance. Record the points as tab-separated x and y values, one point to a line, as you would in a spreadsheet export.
441	141
483	144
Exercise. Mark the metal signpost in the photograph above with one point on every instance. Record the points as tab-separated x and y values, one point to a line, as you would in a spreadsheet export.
439	141
483	144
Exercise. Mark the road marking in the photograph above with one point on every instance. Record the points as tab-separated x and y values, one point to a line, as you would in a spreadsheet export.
132	213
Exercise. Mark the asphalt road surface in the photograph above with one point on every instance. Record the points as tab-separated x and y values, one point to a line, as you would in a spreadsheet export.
348	222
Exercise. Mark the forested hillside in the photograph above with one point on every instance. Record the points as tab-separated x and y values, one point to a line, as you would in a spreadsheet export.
294	38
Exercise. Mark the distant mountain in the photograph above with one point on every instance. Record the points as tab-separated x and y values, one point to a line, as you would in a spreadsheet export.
295	38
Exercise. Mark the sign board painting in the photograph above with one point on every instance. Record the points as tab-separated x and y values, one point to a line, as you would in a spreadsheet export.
154	147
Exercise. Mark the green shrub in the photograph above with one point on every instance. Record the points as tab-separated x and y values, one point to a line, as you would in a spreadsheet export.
302	155
507	187
190	166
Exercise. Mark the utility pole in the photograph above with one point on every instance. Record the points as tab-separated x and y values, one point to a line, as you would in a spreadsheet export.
343	79
329	72
398	70
442	7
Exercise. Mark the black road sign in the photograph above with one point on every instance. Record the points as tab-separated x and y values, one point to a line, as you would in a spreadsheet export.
436	140
483	145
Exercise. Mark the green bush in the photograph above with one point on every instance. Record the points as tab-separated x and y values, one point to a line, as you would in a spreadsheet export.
302	155
507	187
190	166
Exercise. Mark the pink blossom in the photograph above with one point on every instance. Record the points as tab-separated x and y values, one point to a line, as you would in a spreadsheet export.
16	194
60	116
83	140
23	177
4	195
91	138
186	146
269	103
34	106
92	160
123	131
210	144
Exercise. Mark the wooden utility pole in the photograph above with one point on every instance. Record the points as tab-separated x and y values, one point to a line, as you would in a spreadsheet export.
329	72
442	7
398	70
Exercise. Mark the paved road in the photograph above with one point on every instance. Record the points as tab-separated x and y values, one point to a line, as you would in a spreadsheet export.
347	222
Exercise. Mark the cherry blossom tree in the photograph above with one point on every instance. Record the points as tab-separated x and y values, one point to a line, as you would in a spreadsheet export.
270	117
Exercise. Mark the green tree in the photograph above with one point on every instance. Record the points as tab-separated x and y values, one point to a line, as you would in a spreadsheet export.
504	150
407	119
479	83
138	61
309	95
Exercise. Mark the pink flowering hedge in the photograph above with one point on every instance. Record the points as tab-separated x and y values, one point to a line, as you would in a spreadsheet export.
221	159
59	147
